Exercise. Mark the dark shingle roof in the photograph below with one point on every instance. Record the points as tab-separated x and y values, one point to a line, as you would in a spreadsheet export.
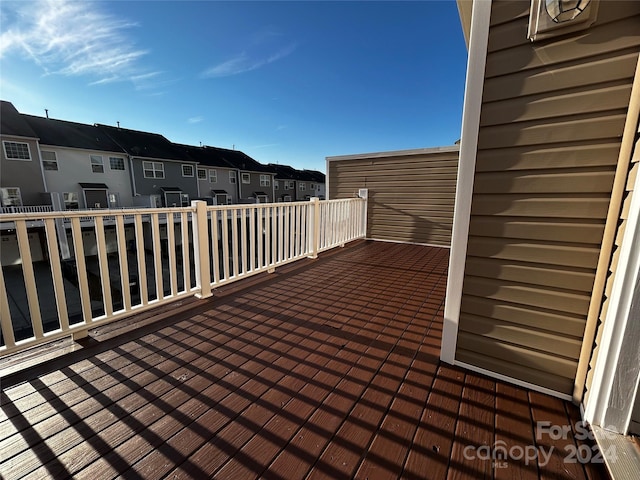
12	123
207	156
284	172
70	134
144	144
241	160
312	176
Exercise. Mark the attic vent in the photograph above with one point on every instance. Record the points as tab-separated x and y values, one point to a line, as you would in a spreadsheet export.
550	18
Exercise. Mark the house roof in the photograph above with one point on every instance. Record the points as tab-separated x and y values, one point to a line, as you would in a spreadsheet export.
13	123
207	156
145	144
241	160
219	192
70	134
312	176
284	172
99	186
171	189
259	194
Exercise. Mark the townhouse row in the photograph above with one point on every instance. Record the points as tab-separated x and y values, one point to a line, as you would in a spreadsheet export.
63	165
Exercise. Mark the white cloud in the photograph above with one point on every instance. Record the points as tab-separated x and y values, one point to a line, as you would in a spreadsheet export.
197	119
245	63
73	38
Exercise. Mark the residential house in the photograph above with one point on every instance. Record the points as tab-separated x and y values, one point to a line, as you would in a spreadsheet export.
217	178
285	183
163	175
543	287
83	167
311	184
22	181
255	184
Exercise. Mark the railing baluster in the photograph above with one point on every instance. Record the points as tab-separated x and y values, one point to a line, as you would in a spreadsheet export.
29	278
56	273
6	324
234	242
141	260
262	238
157	255
186	269
215	236
243	238
171	250
286	234
122	262
81	270
103	264
225	245
252	238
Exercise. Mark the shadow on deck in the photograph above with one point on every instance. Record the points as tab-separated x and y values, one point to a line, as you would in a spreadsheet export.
325	369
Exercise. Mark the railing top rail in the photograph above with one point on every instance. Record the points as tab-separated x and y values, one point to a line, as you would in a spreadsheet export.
8	217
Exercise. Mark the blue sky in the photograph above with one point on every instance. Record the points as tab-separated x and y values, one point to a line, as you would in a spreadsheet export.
285	82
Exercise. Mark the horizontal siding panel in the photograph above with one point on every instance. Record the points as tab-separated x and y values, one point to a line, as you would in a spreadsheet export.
523	337
582	100
573	74
539	318
512	227
397	164
631	179
544	276
520	372
534	182
529	206
563	367
542	157
594	41
573	129
525	294
506	10
534	252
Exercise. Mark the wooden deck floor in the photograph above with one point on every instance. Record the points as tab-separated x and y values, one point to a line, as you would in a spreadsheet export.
326	369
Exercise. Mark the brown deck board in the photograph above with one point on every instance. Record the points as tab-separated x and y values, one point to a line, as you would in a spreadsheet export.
326	369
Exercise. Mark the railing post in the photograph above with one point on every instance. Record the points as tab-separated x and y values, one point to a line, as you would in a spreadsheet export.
314	227
201	248
363	193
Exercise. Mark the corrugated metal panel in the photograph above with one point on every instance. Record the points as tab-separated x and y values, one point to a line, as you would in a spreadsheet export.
552	117
411	196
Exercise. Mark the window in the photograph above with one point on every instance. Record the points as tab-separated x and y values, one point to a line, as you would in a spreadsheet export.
96	164
10	197
246	178
70	200
184	198
302	186
276	184
265	180
202	174
187	170
289	185
213	176
17	150
116	163
153	169
312	186
49	160
233	176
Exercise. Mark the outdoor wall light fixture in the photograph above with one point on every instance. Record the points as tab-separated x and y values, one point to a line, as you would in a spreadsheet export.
551	18
565	10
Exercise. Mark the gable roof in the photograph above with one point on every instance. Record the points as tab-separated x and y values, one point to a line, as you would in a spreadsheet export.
144	144
312	176
12	123
206	156
70	134
285	172
240	160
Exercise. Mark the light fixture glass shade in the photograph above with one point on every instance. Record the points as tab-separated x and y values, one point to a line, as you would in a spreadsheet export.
565	10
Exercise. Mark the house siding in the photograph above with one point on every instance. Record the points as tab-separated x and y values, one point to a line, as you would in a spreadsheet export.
74	167
222	183
411	194
25	174
552	117
172	178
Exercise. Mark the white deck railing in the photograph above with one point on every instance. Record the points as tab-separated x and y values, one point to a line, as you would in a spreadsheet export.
137	259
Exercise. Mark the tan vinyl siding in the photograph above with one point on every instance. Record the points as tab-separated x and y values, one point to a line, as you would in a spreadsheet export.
552	117
411	194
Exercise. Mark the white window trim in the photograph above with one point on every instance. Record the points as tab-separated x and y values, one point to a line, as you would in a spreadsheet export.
202	170
94	161
213	176
242	178
117	169
19	196
4	146
476	62
187	165
265	180
153	169
233	177
55	155
302	186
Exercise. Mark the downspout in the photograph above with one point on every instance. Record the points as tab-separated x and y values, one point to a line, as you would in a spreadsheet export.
608	237
44	180
132	177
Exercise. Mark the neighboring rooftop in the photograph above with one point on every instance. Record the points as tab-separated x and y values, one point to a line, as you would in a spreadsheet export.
145	144
13	123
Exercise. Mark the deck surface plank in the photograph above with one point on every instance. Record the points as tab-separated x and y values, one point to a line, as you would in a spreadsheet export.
328	368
